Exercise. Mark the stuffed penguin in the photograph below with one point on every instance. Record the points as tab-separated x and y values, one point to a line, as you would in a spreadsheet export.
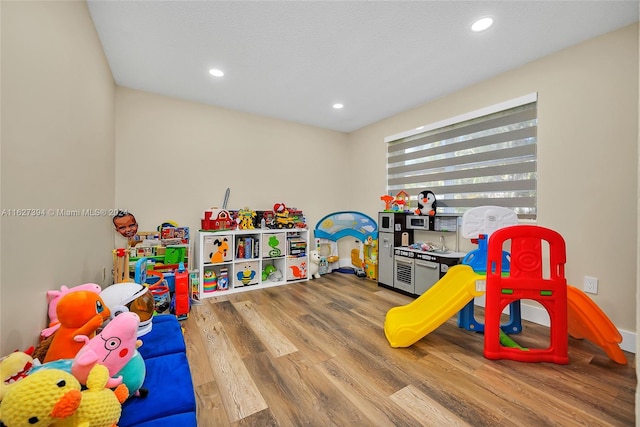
426	203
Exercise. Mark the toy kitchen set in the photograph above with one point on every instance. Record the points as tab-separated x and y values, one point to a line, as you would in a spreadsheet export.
407	265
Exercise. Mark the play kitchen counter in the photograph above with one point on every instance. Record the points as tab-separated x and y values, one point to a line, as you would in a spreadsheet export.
416	271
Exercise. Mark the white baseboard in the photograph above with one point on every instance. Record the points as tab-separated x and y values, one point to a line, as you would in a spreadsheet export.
540	316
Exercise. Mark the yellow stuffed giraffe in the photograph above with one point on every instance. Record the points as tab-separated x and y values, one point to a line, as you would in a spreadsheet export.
100	406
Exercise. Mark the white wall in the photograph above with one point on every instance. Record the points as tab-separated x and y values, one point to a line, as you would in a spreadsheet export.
57	153
587	156
176	158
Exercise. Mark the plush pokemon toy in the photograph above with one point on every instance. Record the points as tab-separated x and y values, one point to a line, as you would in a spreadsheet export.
13	368
426	203
54	296
41	399
314	265
100	406
79	313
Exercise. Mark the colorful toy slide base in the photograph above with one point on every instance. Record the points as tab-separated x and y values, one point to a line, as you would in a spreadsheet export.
587	320
407	324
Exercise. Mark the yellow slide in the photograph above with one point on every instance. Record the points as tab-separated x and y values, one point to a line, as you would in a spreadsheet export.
409	323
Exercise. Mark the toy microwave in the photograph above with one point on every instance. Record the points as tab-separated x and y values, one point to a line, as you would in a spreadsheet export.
432	223
420	222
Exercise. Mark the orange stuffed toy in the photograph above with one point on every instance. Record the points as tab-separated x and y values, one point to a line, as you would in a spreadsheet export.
79	313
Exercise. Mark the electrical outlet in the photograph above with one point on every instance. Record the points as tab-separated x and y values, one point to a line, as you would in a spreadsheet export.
590	285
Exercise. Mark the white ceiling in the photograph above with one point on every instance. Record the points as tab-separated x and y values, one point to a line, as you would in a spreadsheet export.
294	59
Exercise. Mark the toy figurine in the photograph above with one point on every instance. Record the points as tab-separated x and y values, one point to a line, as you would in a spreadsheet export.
245	219
387	199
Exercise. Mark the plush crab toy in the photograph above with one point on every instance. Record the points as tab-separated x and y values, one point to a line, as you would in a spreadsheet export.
14	368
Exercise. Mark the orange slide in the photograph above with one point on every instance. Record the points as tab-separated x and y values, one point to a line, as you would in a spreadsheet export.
587	320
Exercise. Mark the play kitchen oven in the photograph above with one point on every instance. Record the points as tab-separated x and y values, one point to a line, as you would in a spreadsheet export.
416	272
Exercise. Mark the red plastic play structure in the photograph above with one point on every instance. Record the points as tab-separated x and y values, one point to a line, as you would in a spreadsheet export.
526	281
532	269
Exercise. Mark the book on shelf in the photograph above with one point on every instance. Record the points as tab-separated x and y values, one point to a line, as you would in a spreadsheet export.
248	250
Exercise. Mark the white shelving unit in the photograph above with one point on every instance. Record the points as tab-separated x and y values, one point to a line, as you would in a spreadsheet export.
231	261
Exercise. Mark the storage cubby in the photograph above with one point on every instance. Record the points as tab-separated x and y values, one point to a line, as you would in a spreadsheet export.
234	260
214	278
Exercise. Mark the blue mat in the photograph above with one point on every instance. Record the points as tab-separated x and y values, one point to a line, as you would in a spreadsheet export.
171	399
165	337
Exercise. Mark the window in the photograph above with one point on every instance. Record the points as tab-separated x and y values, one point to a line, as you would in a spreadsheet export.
487	157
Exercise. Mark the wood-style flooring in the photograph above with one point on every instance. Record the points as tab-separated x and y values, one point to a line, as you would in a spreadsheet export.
315	354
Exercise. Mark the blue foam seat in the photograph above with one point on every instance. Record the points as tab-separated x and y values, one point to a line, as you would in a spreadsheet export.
165	337
171	398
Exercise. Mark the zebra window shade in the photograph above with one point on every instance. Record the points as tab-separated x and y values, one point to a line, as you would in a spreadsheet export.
487	160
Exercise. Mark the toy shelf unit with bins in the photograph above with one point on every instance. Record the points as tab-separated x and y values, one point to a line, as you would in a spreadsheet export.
231	261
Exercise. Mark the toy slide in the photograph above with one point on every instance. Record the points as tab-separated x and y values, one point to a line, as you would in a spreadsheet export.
587	320
409	323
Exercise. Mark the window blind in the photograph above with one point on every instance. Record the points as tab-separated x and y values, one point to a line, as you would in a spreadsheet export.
486	160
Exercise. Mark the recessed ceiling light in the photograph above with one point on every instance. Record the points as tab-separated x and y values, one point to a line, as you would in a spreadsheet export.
338	106
216	73
482	24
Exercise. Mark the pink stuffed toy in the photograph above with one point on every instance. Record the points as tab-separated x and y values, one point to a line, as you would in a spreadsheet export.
113	348
54	296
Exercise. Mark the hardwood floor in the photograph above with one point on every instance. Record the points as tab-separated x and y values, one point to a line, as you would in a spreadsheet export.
314	353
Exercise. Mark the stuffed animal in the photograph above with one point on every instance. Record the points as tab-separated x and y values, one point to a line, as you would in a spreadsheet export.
426	203
13	368
41	399
100	406
133	375
113	348
54	296
314	265
79	313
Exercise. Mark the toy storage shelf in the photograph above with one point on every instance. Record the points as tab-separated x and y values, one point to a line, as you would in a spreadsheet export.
231	261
